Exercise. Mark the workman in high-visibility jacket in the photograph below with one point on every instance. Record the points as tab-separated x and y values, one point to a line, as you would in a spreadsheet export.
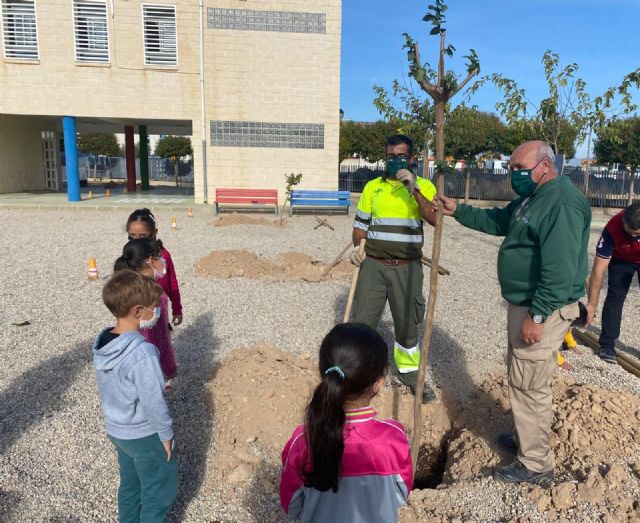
390	217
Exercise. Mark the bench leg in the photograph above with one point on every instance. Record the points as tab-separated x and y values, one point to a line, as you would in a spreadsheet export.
215	209
277	210
290	210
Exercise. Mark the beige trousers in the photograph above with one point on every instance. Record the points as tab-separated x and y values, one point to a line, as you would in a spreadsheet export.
530	368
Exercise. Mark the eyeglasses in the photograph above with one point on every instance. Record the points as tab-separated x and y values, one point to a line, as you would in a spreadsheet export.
138	236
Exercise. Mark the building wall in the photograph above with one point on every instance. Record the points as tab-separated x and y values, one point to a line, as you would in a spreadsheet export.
257	76
21	167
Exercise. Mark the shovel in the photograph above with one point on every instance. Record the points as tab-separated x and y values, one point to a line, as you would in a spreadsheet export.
354	282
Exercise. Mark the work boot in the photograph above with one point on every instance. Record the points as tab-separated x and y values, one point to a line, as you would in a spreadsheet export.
518	473
507	441
410	379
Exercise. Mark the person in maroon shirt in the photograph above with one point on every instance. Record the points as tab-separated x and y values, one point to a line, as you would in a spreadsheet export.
142	224
618	251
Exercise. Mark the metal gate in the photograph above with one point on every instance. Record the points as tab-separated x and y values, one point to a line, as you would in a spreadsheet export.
50	160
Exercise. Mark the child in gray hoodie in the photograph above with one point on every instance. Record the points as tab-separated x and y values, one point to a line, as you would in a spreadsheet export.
130	386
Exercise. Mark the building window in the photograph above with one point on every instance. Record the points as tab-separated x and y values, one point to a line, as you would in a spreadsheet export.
91	32
278	21
267	134
19	31
160	35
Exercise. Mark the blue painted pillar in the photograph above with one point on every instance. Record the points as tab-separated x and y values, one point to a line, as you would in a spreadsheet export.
71	158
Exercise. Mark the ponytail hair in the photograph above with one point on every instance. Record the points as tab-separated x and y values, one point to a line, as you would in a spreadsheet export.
135	254
352	358
145	216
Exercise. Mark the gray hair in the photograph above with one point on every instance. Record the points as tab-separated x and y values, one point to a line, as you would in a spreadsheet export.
545	151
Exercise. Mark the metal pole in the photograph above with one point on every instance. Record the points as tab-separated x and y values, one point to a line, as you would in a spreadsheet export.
144	158
130	155
71	158
203	120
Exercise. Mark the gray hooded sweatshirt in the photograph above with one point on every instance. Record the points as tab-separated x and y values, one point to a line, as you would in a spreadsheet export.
131	385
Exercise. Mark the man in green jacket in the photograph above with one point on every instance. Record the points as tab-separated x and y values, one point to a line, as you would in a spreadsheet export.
542	265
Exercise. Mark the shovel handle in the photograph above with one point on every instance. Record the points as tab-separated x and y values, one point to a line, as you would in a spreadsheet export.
354	282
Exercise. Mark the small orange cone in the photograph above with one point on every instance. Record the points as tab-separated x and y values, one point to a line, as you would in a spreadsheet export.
108	193
190	212
174	224
90	195
92	274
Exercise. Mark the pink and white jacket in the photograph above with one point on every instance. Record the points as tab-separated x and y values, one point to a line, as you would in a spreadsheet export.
376	475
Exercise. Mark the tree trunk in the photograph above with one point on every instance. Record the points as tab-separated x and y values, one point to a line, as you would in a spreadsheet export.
425	343
467	183
175	167
587	174
632	177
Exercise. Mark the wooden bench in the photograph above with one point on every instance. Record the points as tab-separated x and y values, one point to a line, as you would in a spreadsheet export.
246	198
319	199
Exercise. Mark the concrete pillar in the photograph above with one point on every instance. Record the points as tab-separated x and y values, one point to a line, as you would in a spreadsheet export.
130	154
144	157
71	158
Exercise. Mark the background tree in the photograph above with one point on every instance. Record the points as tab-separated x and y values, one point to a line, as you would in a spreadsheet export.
441	86
98	144
365	140
470	133
619	142
174	148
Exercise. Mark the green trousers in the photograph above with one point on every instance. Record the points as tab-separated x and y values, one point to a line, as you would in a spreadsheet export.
148	482
401	286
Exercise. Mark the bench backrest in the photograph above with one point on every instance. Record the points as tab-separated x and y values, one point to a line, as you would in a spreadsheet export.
321	198
247	196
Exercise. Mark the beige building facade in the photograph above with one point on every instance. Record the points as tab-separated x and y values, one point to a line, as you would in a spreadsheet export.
257	81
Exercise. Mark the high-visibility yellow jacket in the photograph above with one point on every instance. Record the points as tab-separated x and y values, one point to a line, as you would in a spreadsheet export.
391	216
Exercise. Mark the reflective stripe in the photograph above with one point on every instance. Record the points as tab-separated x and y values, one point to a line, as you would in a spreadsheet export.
363	215
403	222
394	237
407	359
360	225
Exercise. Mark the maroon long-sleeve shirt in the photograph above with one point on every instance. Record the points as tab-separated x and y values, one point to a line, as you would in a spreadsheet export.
169	283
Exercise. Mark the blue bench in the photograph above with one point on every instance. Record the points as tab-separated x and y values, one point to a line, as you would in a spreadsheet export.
303	199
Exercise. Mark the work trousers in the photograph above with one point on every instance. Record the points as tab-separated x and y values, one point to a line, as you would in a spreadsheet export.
620	277
401	286
148	482
530	368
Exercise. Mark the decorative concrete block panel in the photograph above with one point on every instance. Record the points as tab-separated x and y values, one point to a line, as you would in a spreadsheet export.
267	134
278	21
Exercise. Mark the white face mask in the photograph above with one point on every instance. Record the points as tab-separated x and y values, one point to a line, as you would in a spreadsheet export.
149	324
156	273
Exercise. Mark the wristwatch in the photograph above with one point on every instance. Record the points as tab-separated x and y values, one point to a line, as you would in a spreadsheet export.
538	319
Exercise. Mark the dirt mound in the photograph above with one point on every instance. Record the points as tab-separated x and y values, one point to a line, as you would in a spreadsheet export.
288	266
234	218
258	395
596	441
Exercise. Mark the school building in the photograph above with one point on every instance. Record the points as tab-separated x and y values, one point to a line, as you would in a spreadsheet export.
255	83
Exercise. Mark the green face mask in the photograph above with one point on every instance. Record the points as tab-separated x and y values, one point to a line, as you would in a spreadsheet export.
522	183
394	165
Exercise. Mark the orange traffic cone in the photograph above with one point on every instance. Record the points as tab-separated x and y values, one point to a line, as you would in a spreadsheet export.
190	212
108	193
174	224
92	274
90	195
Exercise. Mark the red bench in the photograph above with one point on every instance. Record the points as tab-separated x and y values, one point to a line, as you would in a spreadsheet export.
246	198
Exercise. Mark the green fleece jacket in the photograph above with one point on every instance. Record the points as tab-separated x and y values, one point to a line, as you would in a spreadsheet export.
542	262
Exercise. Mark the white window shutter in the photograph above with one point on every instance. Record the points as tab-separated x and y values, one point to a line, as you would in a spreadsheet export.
19	29
160	35
91	33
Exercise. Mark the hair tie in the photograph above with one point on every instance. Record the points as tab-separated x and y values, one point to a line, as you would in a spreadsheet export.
337	370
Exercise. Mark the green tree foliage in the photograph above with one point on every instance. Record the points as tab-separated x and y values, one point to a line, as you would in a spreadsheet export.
365	140
470	133
619	142
99	144
174	148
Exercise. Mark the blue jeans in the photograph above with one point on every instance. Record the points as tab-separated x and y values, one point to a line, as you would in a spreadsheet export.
148	482
620	277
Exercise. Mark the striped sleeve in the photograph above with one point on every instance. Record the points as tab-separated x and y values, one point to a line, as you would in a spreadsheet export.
291	480
363	212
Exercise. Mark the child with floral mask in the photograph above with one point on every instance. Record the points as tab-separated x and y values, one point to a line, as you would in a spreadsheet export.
143	256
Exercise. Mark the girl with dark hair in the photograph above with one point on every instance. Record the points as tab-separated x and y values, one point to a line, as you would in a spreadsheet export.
142	224
145	256
344	464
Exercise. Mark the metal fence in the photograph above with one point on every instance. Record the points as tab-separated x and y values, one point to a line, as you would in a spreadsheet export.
606	188
115	168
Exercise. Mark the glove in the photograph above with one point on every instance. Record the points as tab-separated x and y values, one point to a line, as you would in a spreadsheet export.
408	179
355	257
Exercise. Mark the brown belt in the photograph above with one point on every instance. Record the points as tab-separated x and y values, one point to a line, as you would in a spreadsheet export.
392	262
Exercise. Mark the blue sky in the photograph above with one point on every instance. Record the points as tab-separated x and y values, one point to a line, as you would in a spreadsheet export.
510	36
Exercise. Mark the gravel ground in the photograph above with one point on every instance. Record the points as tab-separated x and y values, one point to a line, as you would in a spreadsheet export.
56	463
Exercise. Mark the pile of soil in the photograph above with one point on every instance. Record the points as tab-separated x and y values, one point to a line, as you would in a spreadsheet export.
288	266
234	218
